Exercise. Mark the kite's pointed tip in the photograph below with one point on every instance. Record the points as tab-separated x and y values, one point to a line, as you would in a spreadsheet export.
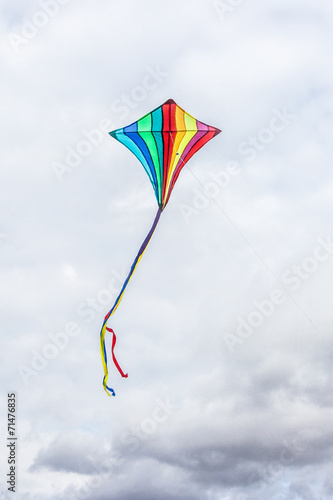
170	101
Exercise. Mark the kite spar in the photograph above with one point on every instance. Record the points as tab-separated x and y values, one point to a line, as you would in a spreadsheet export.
163	141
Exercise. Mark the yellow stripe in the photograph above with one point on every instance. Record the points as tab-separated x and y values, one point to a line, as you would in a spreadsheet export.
182	139
104	360
190	122
180	125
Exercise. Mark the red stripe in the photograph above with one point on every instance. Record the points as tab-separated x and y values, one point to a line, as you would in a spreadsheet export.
198	145
166	117
167	142
173	116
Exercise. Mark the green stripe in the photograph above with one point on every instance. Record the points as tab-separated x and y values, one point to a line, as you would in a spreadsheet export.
144	130
158	136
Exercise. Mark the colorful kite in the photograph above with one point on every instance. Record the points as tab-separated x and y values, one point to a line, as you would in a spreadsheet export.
163	140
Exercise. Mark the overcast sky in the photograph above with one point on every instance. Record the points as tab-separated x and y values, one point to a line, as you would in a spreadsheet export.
225	329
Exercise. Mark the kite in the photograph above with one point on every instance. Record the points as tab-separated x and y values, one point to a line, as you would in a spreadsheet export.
163	141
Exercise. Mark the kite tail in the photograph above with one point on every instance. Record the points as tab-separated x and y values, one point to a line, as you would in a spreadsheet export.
143	247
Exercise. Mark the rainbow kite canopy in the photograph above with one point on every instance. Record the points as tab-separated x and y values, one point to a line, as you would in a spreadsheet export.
164	140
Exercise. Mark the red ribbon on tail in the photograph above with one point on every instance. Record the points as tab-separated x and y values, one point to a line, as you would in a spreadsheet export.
114	340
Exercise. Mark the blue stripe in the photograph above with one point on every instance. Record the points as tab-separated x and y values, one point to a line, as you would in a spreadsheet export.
140	143
134	148
157	126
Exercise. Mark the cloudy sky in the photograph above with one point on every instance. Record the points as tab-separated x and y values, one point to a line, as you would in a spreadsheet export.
225	329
